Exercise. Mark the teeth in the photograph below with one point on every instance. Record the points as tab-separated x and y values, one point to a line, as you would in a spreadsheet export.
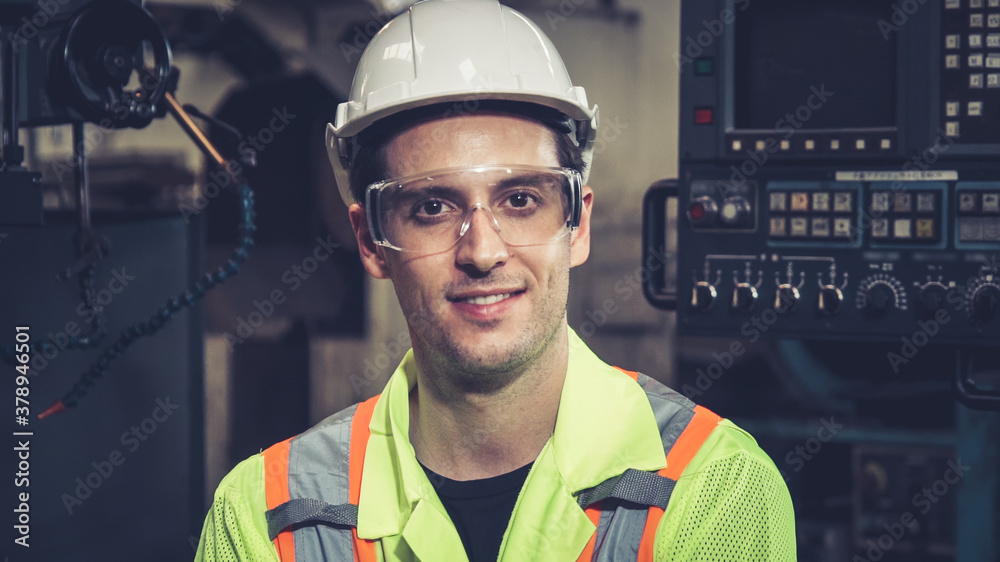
487	300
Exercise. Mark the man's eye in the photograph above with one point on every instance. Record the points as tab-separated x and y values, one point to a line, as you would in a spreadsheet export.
520	200
430	208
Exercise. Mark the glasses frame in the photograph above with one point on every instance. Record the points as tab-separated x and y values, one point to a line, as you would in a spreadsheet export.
374	191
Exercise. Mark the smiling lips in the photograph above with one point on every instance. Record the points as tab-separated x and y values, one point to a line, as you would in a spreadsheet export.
485	299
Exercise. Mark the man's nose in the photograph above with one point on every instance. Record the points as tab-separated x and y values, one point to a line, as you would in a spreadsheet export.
481	246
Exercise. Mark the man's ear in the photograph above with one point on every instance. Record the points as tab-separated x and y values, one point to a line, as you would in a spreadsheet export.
580	246
372	256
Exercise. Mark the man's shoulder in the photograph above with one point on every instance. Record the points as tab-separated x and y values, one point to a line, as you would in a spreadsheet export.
726	439
249	473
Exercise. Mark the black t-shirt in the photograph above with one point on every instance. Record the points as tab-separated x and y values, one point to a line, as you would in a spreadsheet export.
480	509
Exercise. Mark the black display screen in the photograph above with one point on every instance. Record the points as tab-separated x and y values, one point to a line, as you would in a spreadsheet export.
836	58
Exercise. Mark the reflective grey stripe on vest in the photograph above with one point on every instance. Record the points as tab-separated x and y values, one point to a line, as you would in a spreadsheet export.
318	462
619	530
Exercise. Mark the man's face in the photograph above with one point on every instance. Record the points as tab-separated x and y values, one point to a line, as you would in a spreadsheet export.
483	344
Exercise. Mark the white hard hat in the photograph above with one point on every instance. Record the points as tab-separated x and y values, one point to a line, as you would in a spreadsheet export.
442	51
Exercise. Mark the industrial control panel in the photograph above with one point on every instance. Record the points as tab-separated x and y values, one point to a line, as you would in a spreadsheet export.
840	170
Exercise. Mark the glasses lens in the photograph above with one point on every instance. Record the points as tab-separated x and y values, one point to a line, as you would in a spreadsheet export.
430	213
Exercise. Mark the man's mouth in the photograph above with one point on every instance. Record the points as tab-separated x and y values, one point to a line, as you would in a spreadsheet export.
484	299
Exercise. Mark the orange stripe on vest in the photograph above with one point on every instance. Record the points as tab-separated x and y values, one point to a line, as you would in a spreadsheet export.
276	487
684	449
364	550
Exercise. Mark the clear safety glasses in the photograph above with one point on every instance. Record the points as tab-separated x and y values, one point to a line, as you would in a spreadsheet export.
430	212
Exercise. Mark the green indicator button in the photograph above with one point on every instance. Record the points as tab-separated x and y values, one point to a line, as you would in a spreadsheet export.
704	66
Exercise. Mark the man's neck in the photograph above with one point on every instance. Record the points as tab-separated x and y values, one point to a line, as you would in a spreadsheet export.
469	436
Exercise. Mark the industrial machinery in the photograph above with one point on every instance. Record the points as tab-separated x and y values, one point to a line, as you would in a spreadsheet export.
839	202
100	66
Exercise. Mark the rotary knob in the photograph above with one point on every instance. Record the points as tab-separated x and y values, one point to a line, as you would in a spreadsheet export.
744	297
880	294
930	299
984	302
703	295
786	298
830	299
880	298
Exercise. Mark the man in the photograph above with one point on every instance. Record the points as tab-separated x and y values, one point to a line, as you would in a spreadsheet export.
463	154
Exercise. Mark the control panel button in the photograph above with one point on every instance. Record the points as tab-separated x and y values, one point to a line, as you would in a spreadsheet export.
821	227
880	228
975	108
800	201
925	228
810	144
800	226
976	60
842	201
735	211
993	60
778	201
991	229
967	202
975	41
975	80
779	228
993	20
925	202
902	203
970	229
991	202
975	20
951	128
901	228
993	80
821	201
951	41
842	228
702	210
993	40
880	201
952	108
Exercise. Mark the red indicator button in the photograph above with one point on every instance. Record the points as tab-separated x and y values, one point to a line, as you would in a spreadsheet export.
696	211
703	116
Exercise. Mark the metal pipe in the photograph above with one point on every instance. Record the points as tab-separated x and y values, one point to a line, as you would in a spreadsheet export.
192	130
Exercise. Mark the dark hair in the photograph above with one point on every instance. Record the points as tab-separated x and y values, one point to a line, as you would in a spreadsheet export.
371	164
